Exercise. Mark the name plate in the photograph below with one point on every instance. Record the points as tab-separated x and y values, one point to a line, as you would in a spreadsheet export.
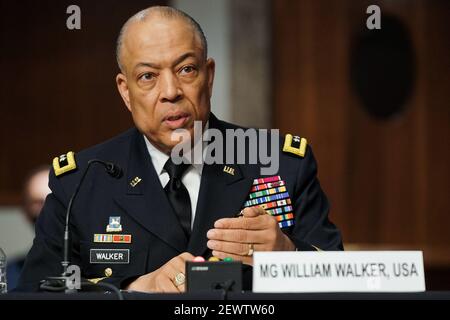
343	271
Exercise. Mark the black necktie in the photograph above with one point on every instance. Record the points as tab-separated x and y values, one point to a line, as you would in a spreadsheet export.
178	194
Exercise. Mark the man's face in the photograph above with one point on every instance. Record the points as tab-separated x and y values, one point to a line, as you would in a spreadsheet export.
166	82
36	191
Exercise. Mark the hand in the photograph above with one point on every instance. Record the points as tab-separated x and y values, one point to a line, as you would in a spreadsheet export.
163	279
237	237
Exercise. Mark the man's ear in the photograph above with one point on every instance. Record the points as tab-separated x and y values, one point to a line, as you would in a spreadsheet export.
122	86
210	69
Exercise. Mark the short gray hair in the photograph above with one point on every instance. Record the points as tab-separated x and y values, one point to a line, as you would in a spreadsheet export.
166	12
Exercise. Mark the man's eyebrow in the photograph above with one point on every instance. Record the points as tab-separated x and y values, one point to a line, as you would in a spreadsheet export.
147	64
157	66
184	57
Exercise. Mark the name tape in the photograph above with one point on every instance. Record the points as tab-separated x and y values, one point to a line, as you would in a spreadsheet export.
346	271
121	256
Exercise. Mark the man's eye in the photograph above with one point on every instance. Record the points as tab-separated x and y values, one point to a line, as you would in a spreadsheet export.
187	69
146	76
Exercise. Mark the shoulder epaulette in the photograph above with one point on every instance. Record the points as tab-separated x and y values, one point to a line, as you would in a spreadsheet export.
295	145
64	163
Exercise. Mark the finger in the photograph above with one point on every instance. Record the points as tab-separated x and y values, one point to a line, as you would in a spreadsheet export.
179	262
256	223
181	288
238	235
240	249
174	268
166	285
252	212
222	255
186	256
165	279
178	265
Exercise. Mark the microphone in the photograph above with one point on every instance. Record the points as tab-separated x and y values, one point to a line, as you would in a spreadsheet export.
60	283
114	170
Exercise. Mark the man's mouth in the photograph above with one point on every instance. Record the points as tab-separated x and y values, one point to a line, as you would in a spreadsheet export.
176	120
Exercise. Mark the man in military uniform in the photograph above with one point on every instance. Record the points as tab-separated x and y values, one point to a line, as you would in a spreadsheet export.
138	231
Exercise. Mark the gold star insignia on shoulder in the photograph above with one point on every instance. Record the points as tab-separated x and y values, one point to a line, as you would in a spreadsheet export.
64	163
295	145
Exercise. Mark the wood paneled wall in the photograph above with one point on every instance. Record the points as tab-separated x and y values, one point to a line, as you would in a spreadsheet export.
57	86
387	180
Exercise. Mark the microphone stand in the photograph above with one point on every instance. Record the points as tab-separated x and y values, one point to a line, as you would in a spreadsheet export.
60	283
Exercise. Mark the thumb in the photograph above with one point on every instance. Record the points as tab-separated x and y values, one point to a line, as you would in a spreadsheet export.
253	212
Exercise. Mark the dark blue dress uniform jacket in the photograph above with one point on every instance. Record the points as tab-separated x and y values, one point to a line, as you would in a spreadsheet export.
147	216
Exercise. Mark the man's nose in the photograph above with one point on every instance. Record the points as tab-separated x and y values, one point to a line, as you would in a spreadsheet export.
170	88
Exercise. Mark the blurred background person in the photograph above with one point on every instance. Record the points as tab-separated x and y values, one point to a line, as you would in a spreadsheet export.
35	190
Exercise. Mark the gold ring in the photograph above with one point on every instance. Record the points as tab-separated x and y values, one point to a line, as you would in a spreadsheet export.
250	250
179	279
